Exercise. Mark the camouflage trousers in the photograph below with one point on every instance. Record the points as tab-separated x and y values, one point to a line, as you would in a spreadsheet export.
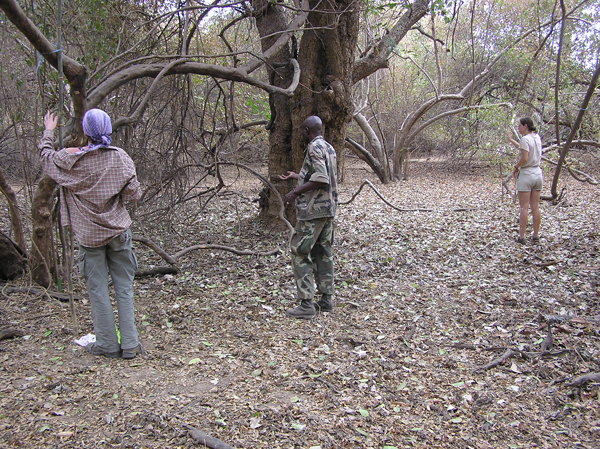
312	257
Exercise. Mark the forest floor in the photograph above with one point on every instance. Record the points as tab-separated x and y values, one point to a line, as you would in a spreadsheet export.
425	300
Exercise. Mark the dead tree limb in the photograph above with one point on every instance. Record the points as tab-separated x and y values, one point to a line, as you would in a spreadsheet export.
157	249
156	271
205	439
10	333
239	252
367	182
507	355
577	174
582	380
62	297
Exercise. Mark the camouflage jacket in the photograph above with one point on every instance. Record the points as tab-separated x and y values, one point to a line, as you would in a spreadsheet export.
320	165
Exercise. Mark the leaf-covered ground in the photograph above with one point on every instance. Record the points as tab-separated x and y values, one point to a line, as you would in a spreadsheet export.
425	300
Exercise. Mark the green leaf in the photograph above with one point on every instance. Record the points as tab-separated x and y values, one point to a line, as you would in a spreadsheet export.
397	409
47	333
362	432
458	384
115	396
205	343
363	412
456	420
298	426
401	386
44	428
194	361
256	372
294	399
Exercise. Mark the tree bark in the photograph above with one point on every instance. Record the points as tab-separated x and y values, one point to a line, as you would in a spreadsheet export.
270	21
15	216
12	260
42	262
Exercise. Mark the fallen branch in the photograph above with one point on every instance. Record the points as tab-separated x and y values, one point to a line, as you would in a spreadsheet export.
582	380
173	259
62	297
157	249
367	182
239	252
10	333
507	355
156	271
205	439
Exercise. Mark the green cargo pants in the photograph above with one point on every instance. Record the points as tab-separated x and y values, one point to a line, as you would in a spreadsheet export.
312	257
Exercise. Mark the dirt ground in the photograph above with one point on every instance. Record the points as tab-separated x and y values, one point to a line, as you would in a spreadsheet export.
425	300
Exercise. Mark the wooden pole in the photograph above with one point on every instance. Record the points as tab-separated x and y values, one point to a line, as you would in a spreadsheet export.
66	236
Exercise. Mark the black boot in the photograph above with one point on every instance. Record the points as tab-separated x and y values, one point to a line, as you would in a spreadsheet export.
325	304
305	311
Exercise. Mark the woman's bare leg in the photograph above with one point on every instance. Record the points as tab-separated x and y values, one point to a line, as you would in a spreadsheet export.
535	210
523	215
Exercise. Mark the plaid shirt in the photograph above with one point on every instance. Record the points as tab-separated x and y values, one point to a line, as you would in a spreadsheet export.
95	187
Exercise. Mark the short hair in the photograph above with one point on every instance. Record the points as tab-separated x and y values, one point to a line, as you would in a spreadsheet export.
529	123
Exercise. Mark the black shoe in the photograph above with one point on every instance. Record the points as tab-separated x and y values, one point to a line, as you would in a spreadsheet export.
305	311
131	353
325	304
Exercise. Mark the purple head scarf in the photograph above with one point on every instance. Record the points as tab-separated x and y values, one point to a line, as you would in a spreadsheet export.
96	125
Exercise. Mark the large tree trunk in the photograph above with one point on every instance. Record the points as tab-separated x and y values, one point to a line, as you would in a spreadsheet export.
325	55
42	262
329	70
270	21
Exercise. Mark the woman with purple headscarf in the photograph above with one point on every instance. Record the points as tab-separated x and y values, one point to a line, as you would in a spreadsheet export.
97	127
97	181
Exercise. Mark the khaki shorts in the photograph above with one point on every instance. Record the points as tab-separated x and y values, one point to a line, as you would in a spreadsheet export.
529	179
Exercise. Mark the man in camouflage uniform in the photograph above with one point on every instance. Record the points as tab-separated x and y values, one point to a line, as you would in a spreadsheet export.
316	199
